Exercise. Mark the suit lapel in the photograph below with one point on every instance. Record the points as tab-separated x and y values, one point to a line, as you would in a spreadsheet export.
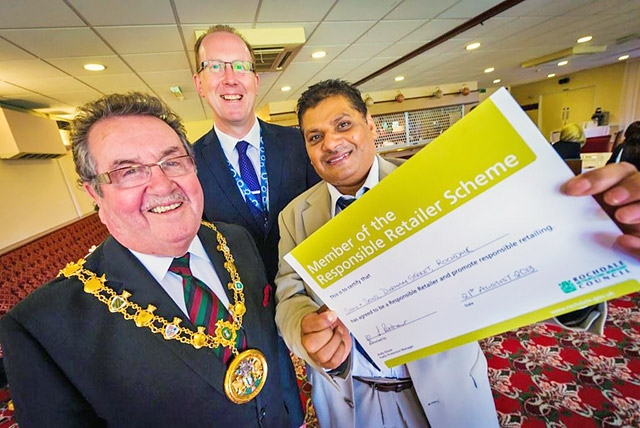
216	165
386	167
125	272
318	209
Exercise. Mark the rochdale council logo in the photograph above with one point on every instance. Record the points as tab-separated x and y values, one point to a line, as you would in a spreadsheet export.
597	276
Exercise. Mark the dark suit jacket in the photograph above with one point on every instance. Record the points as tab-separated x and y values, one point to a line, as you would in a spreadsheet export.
289	173
71	362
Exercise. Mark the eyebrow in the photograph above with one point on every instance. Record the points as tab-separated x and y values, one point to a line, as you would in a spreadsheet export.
333	121
118	163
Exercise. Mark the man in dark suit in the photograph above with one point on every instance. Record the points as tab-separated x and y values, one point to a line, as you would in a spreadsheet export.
128	336
227	80
276	155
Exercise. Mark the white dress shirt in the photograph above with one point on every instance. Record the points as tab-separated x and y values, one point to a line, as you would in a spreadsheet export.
200	265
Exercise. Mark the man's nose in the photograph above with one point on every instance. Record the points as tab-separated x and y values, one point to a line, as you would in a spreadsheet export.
229	74
331	141
158	177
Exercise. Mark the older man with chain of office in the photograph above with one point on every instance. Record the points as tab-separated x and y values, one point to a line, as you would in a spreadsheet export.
168	322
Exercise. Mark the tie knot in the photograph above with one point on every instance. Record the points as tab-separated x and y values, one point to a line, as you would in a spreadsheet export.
180	266
242	147
344	202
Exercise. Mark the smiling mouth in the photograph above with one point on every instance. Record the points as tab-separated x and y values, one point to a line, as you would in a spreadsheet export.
236	97
165	208
337	159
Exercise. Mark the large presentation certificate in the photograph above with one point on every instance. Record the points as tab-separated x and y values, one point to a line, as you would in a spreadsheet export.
469	238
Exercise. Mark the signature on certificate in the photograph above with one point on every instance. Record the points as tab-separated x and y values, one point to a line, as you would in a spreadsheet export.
385	328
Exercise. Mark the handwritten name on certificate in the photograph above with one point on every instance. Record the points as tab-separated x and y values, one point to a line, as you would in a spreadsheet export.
469	238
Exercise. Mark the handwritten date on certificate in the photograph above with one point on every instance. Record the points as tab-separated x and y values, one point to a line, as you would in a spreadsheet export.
509	278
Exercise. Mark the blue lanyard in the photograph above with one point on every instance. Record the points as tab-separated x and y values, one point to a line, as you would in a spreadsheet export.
263	203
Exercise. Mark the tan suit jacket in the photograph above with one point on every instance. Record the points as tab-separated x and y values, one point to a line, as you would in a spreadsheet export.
452	386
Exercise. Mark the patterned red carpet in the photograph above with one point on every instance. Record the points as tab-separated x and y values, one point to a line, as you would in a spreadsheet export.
542	376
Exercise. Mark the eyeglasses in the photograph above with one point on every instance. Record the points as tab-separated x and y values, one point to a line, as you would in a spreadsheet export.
215	66
132	176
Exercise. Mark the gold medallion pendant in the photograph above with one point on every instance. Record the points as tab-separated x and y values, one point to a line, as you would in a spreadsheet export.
245	376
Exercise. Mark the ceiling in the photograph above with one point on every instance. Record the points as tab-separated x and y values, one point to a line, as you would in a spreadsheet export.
147	45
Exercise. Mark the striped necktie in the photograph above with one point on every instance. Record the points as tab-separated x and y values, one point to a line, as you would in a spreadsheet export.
203	305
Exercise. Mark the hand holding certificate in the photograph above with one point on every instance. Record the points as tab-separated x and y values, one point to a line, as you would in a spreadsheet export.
469	238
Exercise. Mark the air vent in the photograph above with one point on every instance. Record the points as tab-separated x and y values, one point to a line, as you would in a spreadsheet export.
27	136
273	48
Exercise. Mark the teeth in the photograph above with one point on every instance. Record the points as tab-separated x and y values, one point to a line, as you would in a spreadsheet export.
338	159
231	97
164	209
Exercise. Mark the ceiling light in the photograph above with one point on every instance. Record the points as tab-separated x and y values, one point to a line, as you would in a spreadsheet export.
585	39
550	75
489	70
623	57
497	81
318	54
285	88
472	46
563	54
94	67
399	97
561	63
175	90
398	78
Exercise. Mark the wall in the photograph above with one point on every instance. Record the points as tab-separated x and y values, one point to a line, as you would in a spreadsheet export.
195	130
38	196
607	81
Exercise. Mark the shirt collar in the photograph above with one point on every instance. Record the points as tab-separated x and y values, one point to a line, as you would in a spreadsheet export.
372	179
228	142
158	266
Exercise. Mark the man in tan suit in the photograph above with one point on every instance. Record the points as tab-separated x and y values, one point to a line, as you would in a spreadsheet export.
449	389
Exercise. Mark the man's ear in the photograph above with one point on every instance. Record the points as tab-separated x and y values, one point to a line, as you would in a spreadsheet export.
92	192
198	84
96	200
371	124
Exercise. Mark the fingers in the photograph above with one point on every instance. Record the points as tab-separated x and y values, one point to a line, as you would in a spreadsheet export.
616	187
326	339
620	180
630	244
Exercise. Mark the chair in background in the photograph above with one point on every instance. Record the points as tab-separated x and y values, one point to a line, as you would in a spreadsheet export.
597	144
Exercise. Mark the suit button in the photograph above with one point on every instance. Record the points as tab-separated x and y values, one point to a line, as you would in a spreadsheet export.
349	402
263	413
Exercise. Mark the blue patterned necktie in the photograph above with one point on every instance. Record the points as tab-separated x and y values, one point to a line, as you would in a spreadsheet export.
343	202
248	174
